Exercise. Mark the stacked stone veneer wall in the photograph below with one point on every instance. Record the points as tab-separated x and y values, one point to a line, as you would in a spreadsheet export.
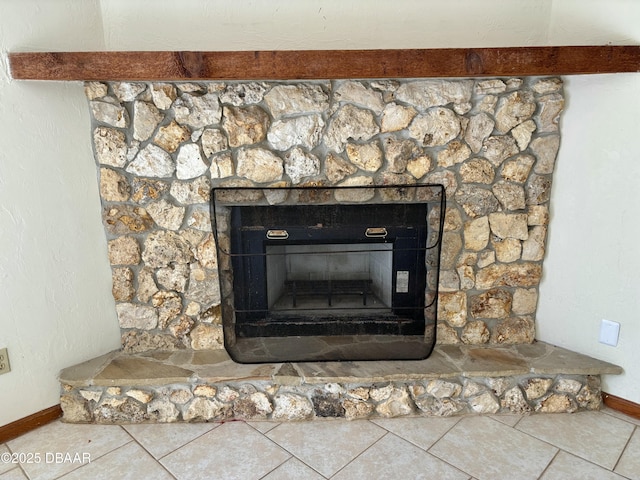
161	147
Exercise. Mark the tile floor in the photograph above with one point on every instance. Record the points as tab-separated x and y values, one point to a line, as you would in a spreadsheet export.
589	445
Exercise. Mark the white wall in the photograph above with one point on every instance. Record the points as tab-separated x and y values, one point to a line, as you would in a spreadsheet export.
55	294
55	302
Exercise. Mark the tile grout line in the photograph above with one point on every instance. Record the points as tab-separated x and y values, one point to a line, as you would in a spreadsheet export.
624	449
153	458
366	449
550	462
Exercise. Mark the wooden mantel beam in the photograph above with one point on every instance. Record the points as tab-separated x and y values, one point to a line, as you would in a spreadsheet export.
324	64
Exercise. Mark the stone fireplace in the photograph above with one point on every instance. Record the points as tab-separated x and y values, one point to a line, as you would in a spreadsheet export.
162	148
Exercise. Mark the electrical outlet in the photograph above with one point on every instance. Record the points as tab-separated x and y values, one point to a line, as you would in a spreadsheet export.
4	361
609	332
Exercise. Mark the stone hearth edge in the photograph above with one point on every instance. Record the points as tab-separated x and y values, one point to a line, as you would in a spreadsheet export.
202	386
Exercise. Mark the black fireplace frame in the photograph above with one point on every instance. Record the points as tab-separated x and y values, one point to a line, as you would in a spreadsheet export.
245	222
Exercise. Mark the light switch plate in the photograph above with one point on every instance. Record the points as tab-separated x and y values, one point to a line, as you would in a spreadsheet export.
4	361
609	332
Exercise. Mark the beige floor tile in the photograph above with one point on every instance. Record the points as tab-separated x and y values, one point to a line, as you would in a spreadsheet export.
15	474
294	469
566	466
490	450
629	464
393	457
233	450
594	436
326	446
620	415
420	431
507	419
264	427
129	462
64	438
5	464
160	439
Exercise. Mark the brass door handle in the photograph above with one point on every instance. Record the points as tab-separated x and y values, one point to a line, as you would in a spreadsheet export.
277	234
376	232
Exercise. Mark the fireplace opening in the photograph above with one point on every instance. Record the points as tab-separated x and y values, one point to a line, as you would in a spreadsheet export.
330	273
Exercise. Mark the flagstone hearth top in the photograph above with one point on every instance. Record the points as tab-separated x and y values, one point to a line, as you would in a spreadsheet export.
213	366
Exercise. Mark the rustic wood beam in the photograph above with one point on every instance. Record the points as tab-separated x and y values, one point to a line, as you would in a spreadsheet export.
324	64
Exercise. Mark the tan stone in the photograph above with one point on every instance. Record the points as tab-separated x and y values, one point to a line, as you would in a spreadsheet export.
109	112
245	126
557	403
146	285
537	387
140	395
398	404
145	190
452	308
170	137
437	126
475	333
533	247
476	234
396	117
204	409
75	409
477	170
367	157
514	330
208	391
350	123
114	186
479	128
452	219
524	301
124	251
191	192
163	95
517	275
451	247
523	132
122	289
498	148
206	336
124	219
505	225
545	149
259	165
514	401
514	109
507	250
166	215
446	335
551	107
291	100
494	303
355	92
517	170
538	215
93	90
146	118
354	409
110	146
443	389
510	195
289	406
419	167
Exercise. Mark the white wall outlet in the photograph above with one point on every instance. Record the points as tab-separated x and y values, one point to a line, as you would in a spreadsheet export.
609	332
4	361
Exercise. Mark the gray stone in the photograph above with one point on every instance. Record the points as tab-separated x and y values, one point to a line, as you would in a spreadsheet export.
514	401
436	127
476	201
164	247
567	385
396	117
141	317
498	385
289	406
75	408
166	215
451	247
452	219
169	137
299	164
452	308
479	128
446	178
120	410
152	161
357	195
146	118
509	225
124	219
447	335
484	403
337	168
327	405
174	276
222	165
204	409
181	327
545	149
475	333
524	301
494	85
547	85
476	234
255	406
228	394
163	95
110	146
439	407
245	126
355	92
510	195
514	109
486	258
145	190
128	91
487	104
162	411
203	286
197	112
114	186
477	170
443	389
354	409
146	285
112	114
551	107
517	170
293	100
518	275
537	387
299	131
189	193
515	330
589	398
206	253
399	193
523	132
350	122
396	405
367	157
93	90
538	189
455	152
168	306
498	148
189	163
213	140
433	93
533	247
494	303
143	341
207	337
124	251
259	165
399	152
122	288
243	93
507	249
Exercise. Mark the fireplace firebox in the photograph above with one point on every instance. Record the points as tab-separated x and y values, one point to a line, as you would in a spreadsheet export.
329	273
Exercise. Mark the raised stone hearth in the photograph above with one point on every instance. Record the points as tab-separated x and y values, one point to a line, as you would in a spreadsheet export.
196	386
